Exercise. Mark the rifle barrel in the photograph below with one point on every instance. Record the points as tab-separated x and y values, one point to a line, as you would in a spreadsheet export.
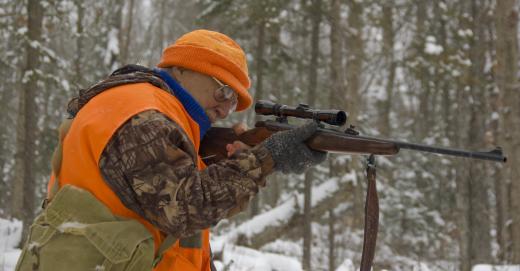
494	155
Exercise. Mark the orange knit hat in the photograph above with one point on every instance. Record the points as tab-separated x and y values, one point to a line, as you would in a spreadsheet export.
214	54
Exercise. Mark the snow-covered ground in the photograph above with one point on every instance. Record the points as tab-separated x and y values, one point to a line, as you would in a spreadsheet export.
237	258
487	267
10	236
233	258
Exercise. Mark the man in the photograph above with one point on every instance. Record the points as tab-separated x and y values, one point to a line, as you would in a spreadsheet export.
130	153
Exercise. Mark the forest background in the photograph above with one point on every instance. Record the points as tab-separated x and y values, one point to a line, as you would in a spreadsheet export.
436	72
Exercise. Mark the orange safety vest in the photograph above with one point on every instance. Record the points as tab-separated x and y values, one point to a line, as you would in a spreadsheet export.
89	133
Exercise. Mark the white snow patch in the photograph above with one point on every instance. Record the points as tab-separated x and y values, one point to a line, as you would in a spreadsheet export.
284	211
9	259
260	222
421	267
282	247
65	85
242	258
455	73
10	237
431	47
347	265
10	233
437	218
22	30
112	46
443	6
27	76
34	44
323	191
488	267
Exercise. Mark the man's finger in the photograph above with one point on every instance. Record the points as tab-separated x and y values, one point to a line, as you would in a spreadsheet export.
240	145
239	128
236	148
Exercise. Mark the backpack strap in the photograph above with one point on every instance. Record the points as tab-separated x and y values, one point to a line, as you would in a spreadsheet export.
165	245
57	158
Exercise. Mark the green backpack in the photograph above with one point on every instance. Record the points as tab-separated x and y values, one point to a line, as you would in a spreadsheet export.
77	232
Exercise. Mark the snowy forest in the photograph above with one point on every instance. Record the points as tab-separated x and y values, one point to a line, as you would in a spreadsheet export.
444	73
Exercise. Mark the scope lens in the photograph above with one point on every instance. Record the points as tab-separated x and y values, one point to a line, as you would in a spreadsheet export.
341	118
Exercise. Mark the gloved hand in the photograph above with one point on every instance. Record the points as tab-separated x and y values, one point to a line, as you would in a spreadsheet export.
289	152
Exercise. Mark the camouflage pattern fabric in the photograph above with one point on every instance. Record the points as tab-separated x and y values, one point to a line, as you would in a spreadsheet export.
150	164
130	74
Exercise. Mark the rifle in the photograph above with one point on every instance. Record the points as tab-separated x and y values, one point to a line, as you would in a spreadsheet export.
213	148
332	140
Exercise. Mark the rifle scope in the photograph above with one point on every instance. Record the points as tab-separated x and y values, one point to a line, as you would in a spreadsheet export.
333	117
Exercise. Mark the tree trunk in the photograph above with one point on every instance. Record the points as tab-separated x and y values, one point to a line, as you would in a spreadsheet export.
424	123
337	90
388	52
480	215
506	17
6	99
24	204
355	57
115	33
78	78
313	84
128	33
500	187
332	243
355	53
259	57
160	36
476	238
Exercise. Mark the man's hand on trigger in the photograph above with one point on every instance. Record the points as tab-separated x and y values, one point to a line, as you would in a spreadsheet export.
237	146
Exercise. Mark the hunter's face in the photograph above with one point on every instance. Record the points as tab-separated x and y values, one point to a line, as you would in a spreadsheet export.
206	90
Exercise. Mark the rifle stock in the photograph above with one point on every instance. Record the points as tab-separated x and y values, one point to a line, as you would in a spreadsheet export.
213	147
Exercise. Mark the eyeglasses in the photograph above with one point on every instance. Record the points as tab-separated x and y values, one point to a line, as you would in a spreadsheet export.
225	94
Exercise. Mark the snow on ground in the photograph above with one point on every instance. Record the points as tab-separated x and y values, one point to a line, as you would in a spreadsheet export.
234	258
284	211
347	265
487	267
10	237
237	258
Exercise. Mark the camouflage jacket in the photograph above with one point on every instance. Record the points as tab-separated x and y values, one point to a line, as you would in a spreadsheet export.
150	158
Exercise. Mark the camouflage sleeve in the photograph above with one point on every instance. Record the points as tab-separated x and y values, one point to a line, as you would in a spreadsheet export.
150	164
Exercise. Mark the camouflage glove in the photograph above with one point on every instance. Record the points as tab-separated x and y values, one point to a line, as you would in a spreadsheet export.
290	154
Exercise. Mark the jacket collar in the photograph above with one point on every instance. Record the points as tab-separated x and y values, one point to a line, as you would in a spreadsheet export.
194	109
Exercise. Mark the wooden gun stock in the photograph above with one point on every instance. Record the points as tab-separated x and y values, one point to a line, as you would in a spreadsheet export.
213	147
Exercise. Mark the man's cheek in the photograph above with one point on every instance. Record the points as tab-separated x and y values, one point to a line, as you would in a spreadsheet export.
211	115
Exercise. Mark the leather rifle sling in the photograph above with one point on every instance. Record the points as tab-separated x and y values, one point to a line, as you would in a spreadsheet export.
371	217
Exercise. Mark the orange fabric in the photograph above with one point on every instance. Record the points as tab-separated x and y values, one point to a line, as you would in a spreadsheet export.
91	130
214	54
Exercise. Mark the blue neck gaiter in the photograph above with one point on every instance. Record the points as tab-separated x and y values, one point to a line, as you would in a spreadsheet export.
194	109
